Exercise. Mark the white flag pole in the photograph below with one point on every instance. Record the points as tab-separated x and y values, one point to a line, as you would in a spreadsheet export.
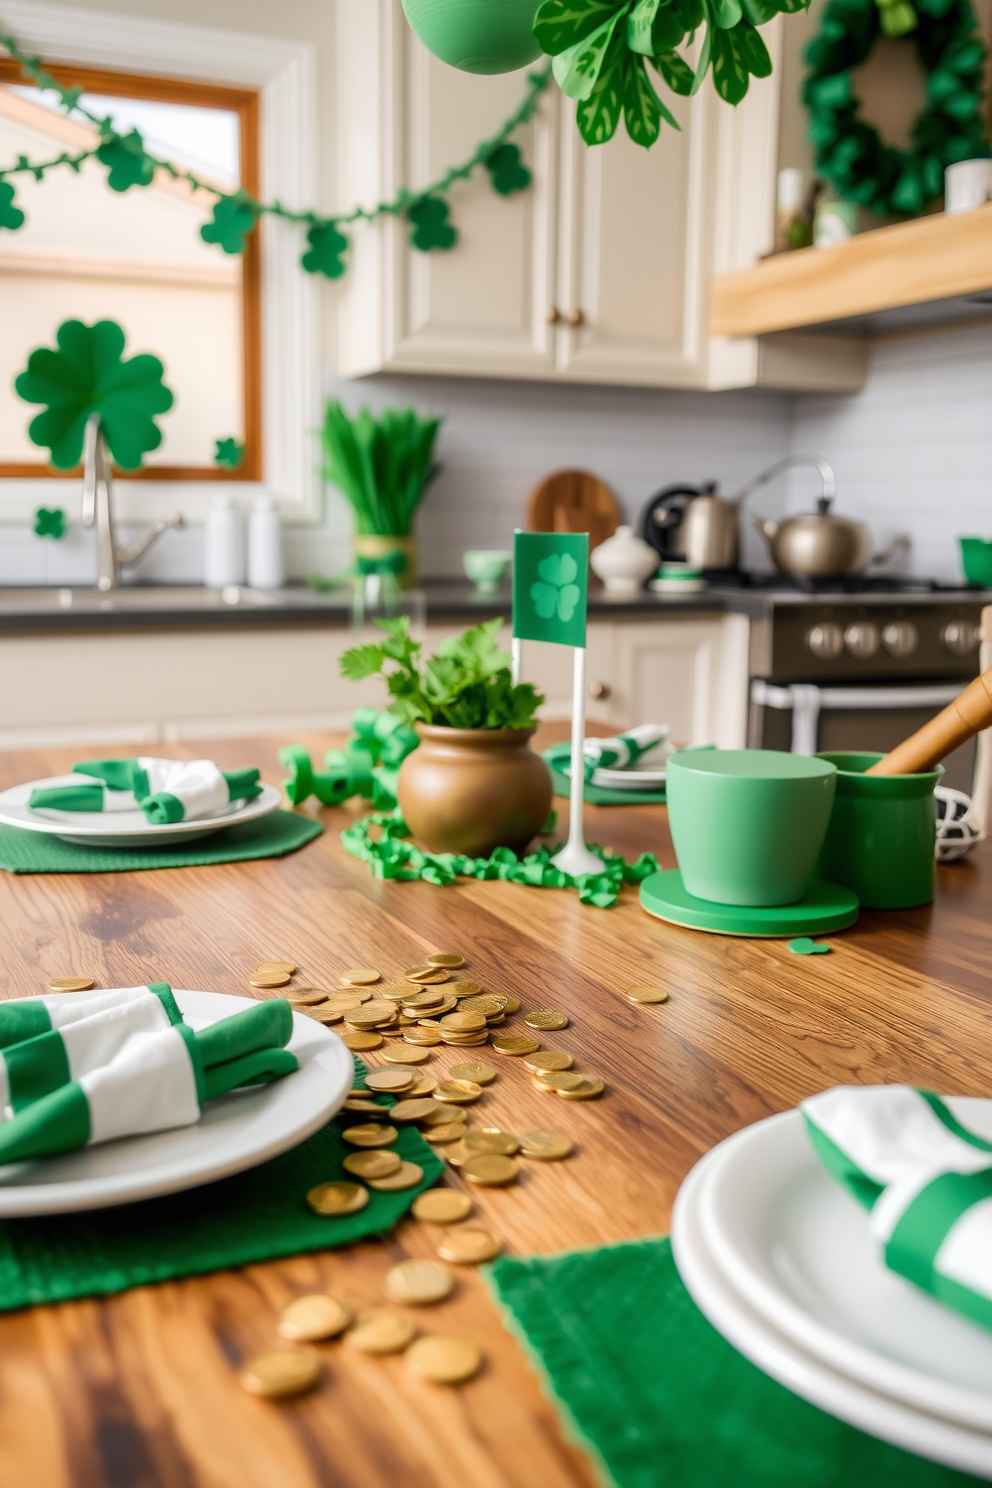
516	660
575	858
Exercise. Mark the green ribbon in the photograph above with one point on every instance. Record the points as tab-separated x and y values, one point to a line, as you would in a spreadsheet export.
368	766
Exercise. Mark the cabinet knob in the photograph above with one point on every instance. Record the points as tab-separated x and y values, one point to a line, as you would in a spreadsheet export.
575	318
553	315
961	637
826	641
901	638
599	690
862	639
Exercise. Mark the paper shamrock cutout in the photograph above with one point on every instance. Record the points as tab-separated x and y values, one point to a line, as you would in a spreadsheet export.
229	452
49	521
124	155
233	219
804	946
86	375
431	228
327	245
507	172
557	594
11	217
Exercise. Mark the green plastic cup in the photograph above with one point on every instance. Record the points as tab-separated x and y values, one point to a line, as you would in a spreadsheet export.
880	840
748	824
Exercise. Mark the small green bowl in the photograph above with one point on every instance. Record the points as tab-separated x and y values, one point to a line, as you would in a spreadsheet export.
487	570
880	840
485	36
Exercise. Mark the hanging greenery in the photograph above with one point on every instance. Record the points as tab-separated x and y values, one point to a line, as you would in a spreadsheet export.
849	153
236	214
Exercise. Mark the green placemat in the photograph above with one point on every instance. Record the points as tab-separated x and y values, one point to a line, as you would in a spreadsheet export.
596	795
269	837
660	1400
254	1216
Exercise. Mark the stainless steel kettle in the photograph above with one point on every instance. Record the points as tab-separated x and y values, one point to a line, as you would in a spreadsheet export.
823	545
692	524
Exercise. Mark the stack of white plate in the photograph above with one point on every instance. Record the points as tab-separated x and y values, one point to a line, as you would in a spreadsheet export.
645	774
779	1258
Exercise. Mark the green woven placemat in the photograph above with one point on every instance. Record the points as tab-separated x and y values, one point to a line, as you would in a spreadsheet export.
269	837
597	795
660	1400
254	1216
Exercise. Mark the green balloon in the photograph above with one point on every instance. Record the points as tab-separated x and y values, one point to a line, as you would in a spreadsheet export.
484	36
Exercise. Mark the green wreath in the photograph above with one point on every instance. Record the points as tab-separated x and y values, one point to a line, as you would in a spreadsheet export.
849	153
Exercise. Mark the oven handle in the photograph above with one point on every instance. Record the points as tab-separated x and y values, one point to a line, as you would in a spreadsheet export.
806	700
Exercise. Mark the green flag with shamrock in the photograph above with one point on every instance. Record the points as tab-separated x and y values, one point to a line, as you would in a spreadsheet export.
550	580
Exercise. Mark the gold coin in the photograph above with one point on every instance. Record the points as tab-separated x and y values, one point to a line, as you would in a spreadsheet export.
346	997
465	1040
545	1019
491	1169
558	1080
405	1054
442	1361
548	1059
397	1078
324	1013
373	1164
368	1014
359	976
446	959
463	1022
464	989
440	1136
428	976
468	1246
512	1005
515	1043
380	1331
308	1319
647	994
427	999
457	1153
360	1043
394	991
442	1206
71	984
488	1005
548	1146
268	980
288	968
306	996
481	1074
337	1198
442	1113
448	1005
412	1110
425	1037
418	1282
588	1090
279	1372
457	1092
356	1103
372	1134
407	1175
424	1085
490	1139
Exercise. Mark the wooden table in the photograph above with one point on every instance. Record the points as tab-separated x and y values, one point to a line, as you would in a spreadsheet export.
140	1390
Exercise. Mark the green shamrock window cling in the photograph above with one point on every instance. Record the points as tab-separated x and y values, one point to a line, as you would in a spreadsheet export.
229	453
11	216
128	164
49	521
556	594
233	219
431	228
507	172
326	252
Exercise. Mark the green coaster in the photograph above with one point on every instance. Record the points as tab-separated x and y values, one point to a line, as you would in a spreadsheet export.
823	907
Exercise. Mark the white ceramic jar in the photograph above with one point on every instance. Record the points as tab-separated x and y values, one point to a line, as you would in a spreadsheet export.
223	544
265	566
623	562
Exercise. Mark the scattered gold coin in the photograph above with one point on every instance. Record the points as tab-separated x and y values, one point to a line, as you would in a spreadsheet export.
442	1113
490	1169
440	1136
588	1090
372	1164
323	1013
465	989
422	1036
306	996
309	1319
446	959
346	997
267	980
425	1084
489	1139
545	1019
359	976
337	1198
428	998
71	984
380	1331
515	1043
489	1005
407	1175
412	1110
360	1042
558	1080
463	1022
428	976
357	1103
548	1146
457	1092
457	1153
394	991
647	994
369	1014
279	1372
390	1079
512	1005
548	1059
419	1282
482	1074
405	1054
372	1134
442	1361
442	1206
468	1246
287	968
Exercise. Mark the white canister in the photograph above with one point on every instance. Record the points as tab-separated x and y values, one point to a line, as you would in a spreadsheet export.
623	562
223	544
967	185
265	567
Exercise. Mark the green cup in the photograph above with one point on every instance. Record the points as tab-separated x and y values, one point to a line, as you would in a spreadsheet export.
748	823
880	841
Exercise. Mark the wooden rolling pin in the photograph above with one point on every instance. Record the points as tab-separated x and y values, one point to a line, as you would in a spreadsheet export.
970	712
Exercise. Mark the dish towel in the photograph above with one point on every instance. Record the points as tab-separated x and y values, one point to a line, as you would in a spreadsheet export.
166	790
926	1180
623	749
154	1082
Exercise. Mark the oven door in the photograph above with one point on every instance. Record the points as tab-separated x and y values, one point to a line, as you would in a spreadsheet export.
805	718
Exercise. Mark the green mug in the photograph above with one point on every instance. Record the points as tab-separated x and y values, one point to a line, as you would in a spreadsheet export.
880	841
748	824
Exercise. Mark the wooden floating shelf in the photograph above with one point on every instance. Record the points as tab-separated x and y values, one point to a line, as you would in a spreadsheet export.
912	263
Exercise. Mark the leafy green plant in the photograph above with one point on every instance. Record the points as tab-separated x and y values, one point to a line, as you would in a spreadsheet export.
466	685
383	466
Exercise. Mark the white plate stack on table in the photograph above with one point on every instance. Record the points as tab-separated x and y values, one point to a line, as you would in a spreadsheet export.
633	760
781	1259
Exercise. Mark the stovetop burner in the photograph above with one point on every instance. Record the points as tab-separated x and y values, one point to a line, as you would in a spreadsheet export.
855	584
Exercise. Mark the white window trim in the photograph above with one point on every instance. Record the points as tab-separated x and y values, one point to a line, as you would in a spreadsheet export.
284	72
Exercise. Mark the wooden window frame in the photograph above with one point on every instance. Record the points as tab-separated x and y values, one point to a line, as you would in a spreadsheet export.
245	103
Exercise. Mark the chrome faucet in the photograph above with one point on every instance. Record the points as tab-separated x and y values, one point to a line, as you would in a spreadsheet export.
110	557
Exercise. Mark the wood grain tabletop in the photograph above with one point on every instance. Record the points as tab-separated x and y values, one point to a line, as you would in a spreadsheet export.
140	1390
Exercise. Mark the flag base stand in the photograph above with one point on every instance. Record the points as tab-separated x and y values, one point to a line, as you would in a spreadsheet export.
575	859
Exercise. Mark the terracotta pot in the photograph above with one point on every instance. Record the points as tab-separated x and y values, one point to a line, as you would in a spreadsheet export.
471	790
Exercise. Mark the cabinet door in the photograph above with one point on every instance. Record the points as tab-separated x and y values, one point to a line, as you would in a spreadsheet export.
689	673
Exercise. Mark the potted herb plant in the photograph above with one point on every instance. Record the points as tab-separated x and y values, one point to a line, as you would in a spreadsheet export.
383	466
474	783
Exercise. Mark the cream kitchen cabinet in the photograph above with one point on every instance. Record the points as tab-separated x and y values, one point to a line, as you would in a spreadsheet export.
599	273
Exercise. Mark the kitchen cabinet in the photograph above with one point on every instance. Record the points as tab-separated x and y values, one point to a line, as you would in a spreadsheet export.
599	273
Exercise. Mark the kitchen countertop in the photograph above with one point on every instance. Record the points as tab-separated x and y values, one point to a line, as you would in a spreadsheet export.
141	1388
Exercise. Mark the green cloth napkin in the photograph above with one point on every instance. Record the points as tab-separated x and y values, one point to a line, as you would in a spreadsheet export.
269	837
255	1216
660	1400
595	795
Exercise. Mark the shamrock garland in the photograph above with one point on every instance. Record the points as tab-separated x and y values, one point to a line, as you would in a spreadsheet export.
49	521
229	453
849	153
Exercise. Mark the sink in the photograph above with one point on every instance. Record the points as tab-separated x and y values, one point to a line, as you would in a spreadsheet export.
158	597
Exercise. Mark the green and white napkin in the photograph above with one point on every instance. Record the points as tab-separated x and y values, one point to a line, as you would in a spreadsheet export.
623	750
926	1180
166	790
27	1017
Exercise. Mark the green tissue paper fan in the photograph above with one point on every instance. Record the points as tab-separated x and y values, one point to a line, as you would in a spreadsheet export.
87	375
483	36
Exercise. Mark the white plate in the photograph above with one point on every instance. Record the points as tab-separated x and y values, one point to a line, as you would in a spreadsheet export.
234	1132
782	1359
125	824
635	777
797	1247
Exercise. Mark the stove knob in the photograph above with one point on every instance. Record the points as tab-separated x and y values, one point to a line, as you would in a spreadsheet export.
901	638
961	637
862	639
826	641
